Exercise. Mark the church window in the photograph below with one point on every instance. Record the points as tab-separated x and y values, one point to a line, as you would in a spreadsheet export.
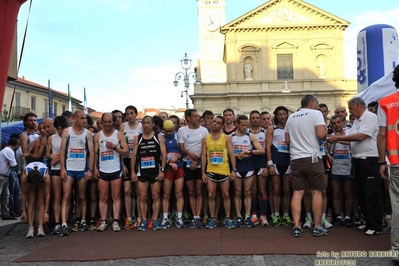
285	68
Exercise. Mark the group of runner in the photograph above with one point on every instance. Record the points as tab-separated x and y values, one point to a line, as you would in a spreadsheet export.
204	171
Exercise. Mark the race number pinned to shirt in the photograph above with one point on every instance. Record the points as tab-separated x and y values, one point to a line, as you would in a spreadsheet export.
241	148
216	157
107	156
147	162
341	155
77	153
283	147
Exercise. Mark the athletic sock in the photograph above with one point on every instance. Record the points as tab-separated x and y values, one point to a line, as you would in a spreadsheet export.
254	204
264	202
165	215
179	215
134	207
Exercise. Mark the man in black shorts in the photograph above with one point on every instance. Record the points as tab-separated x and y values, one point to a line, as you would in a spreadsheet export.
149	152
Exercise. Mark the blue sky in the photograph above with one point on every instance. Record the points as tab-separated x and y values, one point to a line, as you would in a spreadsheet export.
127	52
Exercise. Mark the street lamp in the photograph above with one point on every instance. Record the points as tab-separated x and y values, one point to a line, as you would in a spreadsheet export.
186	77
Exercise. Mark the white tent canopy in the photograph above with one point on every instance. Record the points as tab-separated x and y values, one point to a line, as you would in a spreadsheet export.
379	89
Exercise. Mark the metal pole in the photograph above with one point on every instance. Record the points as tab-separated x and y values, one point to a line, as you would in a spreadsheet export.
186	98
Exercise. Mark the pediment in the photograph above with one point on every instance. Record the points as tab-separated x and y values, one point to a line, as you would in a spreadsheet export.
286	13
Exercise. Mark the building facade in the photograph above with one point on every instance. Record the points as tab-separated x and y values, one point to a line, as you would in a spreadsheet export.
32	97
270	56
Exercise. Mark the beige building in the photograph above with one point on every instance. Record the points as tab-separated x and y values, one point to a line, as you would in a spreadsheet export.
33	97
270	56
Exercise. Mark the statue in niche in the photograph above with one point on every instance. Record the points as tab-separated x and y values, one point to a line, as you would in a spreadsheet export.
321	68
248	71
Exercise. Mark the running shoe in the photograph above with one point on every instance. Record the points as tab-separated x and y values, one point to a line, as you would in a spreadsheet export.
30	233
197	223
191	224
263	221
249	222
239	221
102	227
179	223
138	222
64	231
84	226
150	222
76	226
338	221
326	224
56	229
297	232
357	220
205	220
286	221
172	217
165	223
116	227
211	224
186	217
92	225
40	232
143	225
320	231
110	221
276	220
348	222
229	224
156	225
99	221
308	222
129	224
254	219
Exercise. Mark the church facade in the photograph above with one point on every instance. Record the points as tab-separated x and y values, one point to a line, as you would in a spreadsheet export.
270	56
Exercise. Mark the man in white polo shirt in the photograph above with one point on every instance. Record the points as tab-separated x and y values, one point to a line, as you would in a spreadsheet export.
363	138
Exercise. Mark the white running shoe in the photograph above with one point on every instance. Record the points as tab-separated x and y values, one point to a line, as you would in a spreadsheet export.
326	224
308	222
116	227
30	233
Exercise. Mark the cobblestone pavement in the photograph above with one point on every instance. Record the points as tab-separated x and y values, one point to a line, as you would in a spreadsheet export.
13	245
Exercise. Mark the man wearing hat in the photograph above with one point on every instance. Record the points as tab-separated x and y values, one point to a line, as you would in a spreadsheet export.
36	189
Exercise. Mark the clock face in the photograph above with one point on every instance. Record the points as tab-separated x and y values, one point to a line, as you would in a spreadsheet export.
211	22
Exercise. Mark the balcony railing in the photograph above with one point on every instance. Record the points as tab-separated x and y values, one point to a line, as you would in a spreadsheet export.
18	112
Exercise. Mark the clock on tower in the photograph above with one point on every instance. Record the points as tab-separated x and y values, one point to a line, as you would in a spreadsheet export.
211	16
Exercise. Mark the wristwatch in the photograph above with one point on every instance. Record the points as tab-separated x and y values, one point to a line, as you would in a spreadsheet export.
235	170
91	169
163	170
47	211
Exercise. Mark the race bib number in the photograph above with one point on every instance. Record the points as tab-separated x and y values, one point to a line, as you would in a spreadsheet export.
282	147
216	157
170	155
147	162
107	156
188	163
240	148
77	153
322	149
341	155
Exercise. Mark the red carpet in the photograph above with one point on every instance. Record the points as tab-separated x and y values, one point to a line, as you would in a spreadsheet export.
92	246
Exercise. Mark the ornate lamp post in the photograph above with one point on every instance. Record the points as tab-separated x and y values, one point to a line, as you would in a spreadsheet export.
185	76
